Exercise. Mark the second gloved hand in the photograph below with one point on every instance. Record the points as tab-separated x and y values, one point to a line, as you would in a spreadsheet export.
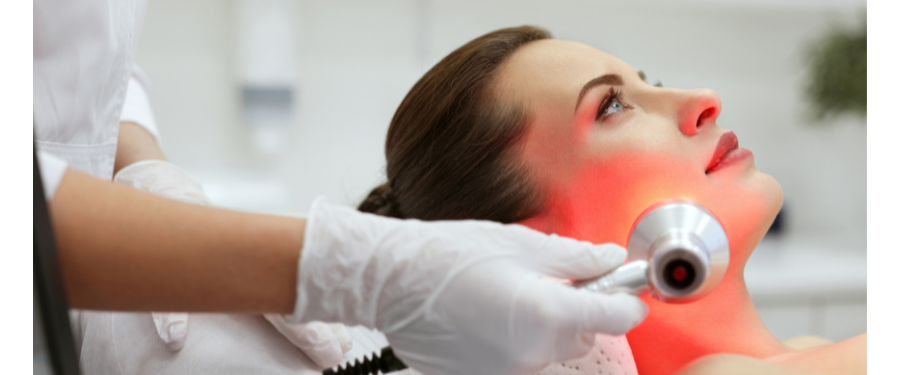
459	297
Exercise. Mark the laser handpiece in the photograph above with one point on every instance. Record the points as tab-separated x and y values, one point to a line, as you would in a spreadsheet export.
677	252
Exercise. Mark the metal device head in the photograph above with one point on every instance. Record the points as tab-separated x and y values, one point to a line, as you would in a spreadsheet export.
685	247
677	252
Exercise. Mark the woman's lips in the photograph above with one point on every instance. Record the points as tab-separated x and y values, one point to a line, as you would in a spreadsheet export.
727	153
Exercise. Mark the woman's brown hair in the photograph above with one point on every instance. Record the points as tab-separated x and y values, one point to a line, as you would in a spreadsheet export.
450	144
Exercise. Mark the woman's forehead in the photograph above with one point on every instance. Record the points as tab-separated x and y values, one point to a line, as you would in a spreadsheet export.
555	68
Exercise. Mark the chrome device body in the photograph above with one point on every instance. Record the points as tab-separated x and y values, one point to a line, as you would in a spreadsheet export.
677	251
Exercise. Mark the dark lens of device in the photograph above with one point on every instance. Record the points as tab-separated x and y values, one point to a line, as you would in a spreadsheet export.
679	274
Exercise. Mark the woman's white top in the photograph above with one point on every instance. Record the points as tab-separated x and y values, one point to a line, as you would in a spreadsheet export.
83	57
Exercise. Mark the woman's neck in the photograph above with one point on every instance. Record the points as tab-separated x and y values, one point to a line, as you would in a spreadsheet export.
723	322
674	335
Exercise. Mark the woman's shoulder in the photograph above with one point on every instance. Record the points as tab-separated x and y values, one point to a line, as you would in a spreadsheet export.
734	364
806	342
845	357
815	356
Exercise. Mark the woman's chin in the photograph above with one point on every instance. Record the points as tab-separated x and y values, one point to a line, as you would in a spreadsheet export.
767	197
774	197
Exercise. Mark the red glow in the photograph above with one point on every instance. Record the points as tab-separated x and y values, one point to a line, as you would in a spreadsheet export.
679	273
600	203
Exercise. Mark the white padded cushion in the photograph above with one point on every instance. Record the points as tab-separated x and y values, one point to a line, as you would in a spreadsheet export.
611	356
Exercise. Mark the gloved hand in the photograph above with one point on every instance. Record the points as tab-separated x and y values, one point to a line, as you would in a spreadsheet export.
323	343
164	179
459	297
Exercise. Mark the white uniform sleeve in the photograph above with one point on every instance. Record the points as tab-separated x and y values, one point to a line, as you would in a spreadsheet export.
52	170
137	107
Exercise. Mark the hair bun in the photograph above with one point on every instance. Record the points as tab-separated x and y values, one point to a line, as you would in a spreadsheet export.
381	201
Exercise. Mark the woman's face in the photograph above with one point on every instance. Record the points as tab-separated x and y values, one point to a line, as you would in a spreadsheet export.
604	145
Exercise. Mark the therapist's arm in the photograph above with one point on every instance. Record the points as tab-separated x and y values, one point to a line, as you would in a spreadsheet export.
135	144
123	249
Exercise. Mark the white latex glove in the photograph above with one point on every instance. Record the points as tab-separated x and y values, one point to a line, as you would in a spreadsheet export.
324	343
459	297
164	179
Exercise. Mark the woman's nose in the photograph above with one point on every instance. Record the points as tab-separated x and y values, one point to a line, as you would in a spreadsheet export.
701	108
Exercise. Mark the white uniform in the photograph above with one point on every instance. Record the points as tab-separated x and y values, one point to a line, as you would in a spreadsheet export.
83	58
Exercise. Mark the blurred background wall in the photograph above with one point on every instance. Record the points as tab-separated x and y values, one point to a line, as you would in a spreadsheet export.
353	61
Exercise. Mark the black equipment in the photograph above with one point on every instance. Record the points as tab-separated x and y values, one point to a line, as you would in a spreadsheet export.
54	347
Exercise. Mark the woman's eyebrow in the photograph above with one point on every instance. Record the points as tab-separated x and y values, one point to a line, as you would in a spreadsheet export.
606	79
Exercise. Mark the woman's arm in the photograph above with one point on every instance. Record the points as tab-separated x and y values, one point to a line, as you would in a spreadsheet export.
123	249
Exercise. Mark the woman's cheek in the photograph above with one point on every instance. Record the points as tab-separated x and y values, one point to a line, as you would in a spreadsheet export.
608	196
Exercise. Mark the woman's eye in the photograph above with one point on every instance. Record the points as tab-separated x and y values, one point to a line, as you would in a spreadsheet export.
613	107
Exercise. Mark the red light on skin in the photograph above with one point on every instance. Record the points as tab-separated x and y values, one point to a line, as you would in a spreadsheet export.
679	274
600	203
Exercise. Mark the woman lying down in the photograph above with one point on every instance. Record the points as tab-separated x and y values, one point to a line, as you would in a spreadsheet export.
516	127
